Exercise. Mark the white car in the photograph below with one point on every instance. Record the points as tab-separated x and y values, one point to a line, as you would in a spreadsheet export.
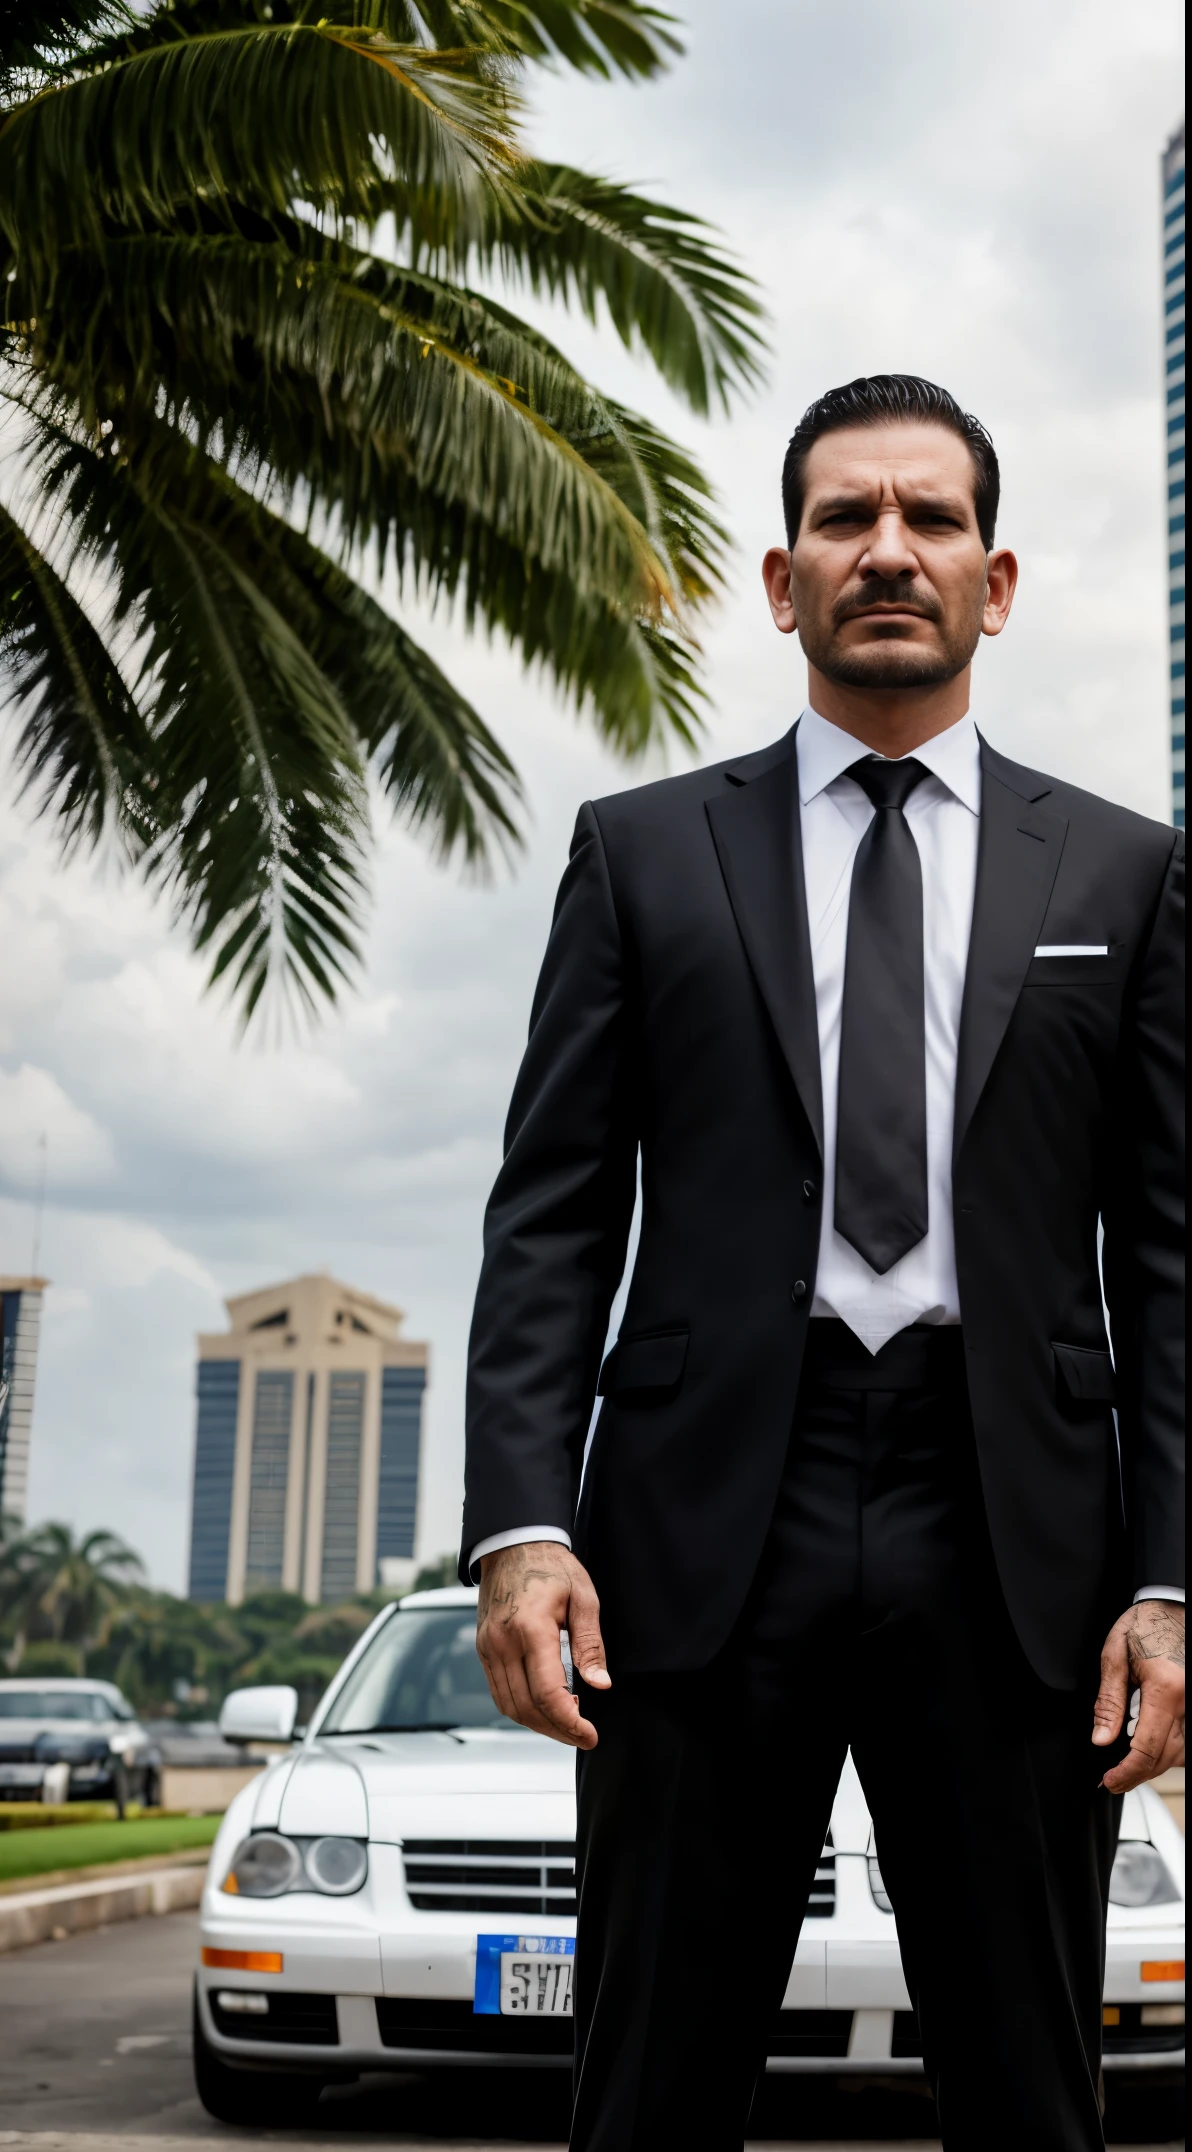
400	1893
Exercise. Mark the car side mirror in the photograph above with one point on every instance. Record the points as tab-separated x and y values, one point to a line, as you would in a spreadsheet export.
259	1714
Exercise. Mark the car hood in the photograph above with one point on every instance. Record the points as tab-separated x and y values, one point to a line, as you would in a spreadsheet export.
426	1785
26	1730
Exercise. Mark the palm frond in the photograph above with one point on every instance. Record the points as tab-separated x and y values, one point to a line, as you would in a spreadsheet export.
594	36
82	742
253	775
264	851
37	36
392	371
669	289
372	373
438	763
255	114
235	764
639	683
236	411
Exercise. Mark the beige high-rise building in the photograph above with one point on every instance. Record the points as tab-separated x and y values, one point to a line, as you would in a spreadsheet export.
307	1444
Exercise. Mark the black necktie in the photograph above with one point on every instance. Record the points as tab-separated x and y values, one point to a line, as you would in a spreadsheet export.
881	1129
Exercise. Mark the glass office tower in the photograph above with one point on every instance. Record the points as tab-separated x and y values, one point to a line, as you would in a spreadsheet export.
20	1326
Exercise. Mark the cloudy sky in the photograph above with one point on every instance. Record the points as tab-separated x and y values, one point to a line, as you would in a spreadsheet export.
963	193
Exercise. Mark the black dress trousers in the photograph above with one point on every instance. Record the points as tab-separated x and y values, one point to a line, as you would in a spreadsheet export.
875	1619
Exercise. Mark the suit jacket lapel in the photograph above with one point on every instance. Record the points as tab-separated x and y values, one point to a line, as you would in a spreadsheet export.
756	831
1018	854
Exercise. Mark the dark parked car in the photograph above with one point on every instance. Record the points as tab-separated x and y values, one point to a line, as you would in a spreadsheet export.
64	1740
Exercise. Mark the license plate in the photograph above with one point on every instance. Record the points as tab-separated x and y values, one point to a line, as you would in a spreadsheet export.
524	1975
21	1774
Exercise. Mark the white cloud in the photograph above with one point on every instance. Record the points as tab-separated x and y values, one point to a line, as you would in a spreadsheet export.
33	1106
918	190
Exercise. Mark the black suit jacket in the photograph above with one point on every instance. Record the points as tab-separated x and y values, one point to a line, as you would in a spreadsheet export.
675	1012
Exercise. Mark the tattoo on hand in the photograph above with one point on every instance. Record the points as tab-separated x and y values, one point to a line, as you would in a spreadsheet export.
504	1583
1160	1635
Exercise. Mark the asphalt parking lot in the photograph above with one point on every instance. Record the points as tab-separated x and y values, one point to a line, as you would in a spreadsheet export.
96	2050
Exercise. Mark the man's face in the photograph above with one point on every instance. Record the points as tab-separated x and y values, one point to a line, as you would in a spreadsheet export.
888	574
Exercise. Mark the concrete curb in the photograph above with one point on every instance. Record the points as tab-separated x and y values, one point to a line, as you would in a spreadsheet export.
41	1916
141	1864
107	2140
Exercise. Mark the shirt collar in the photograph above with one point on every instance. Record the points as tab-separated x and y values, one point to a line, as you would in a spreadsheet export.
954	756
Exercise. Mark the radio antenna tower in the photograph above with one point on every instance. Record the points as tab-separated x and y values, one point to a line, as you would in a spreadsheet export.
39	1199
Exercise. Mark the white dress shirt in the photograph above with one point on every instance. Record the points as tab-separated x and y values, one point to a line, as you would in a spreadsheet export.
944	816
943	813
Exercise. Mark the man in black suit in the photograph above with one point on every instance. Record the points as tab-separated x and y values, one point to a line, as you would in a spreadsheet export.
894	1026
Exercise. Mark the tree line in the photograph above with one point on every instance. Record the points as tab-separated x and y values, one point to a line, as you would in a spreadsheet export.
80	1605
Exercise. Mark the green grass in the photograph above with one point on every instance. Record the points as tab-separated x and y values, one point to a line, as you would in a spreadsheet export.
32	1853
40	1815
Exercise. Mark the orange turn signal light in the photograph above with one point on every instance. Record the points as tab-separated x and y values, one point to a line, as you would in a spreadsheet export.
243	1961
1111	2015
1161	1969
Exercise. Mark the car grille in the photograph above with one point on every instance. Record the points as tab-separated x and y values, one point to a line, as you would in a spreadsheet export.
484	1875
411	2021
810	2032
1128	2037
822	1903
297	2020
414	2022
906	2039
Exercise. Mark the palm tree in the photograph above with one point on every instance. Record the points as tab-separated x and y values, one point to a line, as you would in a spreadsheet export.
55	1586
251	357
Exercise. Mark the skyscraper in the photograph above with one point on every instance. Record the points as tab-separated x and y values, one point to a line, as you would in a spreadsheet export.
307	1444
1173	315
20	1325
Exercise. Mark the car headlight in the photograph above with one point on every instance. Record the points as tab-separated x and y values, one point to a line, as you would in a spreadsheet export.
266	1866
269	1865
336	1865
1140	1876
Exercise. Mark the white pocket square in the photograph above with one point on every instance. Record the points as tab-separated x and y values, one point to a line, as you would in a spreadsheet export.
1072	949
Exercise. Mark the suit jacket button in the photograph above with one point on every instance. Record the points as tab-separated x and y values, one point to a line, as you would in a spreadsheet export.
810	1191
799	1289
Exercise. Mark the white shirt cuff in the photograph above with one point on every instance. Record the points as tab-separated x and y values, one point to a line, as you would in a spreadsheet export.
1161	1591
515	1539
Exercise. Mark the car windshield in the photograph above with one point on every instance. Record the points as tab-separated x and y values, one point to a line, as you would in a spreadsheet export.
54	1704
420	1672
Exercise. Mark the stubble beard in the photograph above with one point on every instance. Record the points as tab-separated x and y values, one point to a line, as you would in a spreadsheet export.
889	663
890	666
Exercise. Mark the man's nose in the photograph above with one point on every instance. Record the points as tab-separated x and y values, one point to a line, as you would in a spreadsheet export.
889	552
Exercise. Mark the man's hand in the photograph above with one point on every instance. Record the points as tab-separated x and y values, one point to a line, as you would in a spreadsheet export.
1143	1651
528	1595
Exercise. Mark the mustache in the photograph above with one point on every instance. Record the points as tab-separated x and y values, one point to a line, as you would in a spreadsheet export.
897	590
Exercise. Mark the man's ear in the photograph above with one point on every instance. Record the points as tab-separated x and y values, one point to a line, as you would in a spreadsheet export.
1002	581
776	575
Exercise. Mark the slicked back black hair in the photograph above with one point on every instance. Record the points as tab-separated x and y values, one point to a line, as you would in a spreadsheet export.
868	401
